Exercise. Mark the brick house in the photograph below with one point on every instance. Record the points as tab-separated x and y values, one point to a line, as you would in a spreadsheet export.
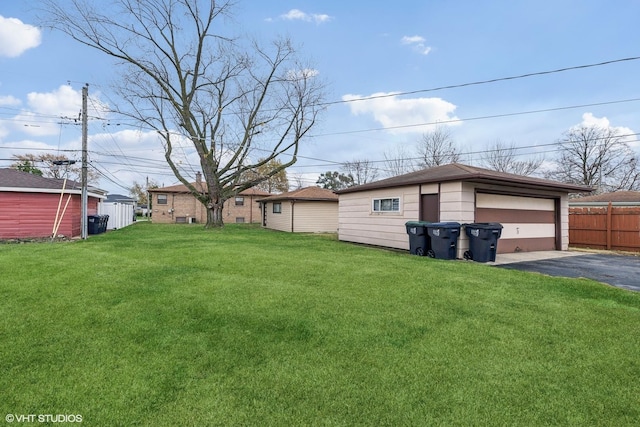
176	204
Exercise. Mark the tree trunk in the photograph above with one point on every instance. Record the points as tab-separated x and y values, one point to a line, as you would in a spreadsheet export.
214	215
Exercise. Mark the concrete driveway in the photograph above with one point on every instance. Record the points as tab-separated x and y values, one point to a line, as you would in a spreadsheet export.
622	271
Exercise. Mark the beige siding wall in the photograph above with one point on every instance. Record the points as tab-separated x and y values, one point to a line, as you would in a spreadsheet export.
279	221
457	204
315	217
358	223
564	220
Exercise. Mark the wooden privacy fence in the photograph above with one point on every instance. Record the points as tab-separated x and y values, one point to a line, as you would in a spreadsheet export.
605	227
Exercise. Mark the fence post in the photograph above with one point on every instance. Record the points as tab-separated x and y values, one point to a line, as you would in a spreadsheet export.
609	208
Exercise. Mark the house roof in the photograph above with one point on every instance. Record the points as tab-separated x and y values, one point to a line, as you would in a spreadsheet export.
181	188
118	198
13	178
616	196
307	193
460	172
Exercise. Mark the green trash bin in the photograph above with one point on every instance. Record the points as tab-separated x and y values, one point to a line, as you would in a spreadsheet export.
444	239
483	241
419	241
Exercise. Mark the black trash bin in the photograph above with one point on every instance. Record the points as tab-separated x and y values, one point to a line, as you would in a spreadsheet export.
419	242
444	239
105	221
93	224
483	241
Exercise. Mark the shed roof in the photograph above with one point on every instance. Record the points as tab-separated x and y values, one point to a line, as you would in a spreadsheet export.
18	181
307	193
460	172
13	178
616	196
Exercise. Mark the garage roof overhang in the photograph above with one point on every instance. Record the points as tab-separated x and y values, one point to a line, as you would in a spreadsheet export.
465	173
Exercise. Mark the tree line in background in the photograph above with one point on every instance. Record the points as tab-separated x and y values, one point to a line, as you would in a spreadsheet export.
593	156
588	155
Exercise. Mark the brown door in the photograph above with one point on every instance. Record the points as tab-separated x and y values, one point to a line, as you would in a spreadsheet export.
430	208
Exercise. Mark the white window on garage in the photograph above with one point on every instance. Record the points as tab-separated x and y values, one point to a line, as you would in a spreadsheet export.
391	204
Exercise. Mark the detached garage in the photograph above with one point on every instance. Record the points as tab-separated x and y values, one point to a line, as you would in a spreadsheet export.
533	211
307	210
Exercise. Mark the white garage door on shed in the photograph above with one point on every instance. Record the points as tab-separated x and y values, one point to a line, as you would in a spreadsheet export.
529	223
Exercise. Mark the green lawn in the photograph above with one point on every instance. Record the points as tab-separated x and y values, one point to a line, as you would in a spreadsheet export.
174	325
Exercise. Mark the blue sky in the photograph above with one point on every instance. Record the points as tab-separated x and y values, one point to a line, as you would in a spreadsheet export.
377	48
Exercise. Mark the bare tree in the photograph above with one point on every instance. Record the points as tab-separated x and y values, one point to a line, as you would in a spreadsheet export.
503	158
597	157
362	171
398	161
298	180
56	166
437	148
231	100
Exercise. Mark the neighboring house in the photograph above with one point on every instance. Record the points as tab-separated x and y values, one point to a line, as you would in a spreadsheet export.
121	210
176	204
533	211
30	204
606	221
307	210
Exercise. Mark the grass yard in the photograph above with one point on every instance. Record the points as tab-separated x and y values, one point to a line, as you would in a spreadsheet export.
166	325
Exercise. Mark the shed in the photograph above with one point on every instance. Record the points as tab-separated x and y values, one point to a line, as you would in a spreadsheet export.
307	210
30	204
533	211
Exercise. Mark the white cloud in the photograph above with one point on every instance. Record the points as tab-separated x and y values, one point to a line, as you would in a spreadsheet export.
16	37
298	15
403	115
417	43
9	100
45	110
588	119
306	73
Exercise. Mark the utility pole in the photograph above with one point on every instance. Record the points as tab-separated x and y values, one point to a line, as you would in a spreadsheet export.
85	199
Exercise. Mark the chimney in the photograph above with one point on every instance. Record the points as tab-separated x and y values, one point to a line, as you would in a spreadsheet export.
198	178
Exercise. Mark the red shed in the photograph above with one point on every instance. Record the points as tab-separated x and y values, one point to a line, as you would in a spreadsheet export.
29	205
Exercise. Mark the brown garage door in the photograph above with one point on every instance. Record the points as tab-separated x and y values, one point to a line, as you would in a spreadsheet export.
529	223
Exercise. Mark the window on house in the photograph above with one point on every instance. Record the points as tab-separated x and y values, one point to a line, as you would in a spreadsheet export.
162	199
277	207
386	205
239	220
239	201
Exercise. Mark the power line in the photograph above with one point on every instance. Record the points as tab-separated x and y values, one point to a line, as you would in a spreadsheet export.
481	82
494	116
